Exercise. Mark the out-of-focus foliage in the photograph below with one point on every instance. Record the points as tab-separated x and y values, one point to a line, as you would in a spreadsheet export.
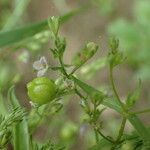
10	19
4	11
105	7
8	75
91	69
134	36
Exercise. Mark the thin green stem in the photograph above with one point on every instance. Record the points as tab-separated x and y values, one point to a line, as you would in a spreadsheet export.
63	68
94	109
120	133
121	129
66	74
79	94
123	107
140	111
114	89
94	113
96	136
75	69
106	138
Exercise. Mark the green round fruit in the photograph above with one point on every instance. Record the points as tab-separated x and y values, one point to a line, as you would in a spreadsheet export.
41	90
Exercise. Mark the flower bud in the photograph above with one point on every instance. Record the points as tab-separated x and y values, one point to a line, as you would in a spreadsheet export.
87	52
114	44
53	23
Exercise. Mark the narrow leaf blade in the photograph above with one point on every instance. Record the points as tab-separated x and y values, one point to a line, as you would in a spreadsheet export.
10	37
20	134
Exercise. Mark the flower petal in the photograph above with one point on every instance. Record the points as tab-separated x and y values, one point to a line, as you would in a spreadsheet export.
43	61
37	65
41	72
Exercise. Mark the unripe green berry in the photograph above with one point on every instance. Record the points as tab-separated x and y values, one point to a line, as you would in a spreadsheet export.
41	90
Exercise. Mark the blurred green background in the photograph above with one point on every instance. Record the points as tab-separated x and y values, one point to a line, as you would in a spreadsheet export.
128	20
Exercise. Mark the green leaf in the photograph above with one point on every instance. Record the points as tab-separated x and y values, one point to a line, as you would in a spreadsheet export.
8	38
20	134
92	91
140	128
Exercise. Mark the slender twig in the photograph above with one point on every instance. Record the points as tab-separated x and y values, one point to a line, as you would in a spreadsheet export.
67	75
121	129
123	107
63	68
94	115
79	94
96	135
120	133
114	88
105	137
141	111
75	69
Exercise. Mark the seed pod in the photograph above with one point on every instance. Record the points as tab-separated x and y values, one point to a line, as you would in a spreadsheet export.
41	90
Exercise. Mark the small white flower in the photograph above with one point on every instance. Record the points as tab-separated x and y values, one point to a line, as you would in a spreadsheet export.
40	66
